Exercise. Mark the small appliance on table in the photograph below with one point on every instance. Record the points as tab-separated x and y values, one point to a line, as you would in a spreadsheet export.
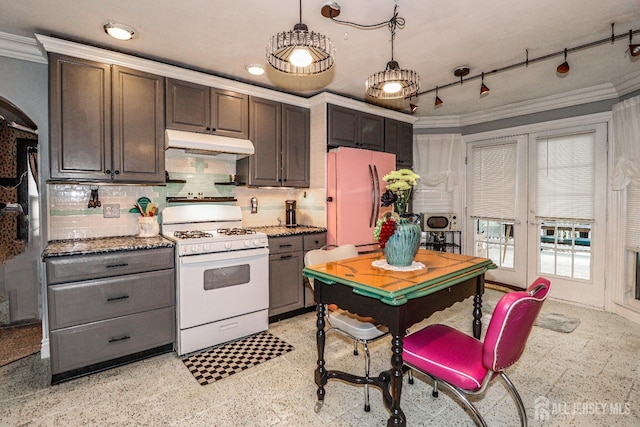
222	275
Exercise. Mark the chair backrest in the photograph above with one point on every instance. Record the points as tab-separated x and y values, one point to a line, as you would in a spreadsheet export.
321	256
511	324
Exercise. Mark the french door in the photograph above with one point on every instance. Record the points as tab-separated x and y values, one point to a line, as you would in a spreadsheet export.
536	207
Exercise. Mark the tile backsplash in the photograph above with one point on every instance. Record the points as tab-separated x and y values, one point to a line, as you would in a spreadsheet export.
71	218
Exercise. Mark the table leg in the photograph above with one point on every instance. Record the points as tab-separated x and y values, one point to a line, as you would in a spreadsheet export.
397	416
321	372
477	307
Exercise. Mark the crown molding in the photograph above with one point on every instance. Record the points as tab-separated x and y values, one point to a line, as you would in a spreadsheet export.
628	84
18	47
332	98
553	102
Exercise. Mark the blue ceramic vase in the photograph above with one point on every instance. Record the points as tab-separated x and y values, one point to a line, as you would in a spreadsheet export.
402	246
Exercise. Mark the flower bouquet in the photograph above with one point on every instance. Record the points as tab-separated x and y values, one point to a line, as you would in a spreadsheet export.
398	237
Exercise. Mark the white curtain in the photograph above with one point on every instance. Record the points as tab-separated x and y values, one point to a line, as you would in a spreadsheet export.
626	129
433	157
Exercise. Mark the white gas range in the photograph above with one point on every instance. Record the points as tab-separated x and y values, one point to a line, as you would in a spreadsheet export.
222	275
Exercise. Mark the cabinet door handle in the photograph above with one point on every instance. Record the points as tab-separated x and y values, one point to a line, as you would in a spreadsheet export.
286	256
124	264
117	172
120	298
122	338
107	172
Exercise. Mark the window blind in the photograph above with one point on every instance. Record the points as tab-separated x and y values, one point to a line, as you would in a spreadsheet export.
494	181
633	215
565	182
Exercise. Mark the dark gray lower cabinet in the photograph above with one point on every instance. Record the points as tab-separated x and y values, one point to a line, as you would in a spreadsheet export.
109	309
285	274
288	289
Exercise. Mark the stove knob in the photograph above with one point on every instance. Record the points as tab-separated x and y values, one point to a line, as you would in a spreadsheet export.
194	248
247	243
227	245
206	247
256	242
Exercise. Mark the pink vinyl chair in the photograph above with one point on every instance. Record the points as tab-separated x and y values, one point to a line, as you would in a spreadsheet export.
467	365
362	330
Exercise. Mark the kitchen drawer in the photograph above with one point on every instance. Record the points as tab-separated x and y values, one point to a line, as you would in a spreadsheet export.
314	241
84	267
89	301
278	245
83	345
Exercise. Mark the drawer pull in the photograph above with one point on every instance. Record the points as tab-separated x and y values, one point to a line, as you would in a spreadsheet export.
117	298
124	264
286	246
122	338
286	256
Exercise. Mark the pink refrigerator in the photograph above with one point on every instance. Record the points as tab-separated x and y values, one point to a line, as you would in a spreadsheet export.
354	187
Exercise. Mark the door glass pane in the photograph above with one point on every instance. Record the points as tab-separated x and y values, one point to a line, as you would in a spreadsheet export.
565	249
495	240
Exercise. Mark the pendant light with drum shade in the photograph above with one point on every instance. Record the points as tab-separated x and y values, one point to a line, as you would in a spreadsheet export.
393	82
300	51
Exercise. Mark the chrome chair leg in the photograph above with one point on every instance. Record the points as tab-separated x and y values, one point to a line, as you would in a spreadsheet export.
434	393
410	375
355	347
516	396
463	397
367	366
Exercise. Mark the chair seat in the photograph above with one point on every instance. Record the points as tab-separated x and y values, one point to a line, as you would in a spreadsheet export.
448	354
357	326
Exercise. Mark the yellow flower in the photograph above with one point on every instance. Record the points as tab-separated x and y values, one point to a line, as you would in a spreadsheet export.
400	181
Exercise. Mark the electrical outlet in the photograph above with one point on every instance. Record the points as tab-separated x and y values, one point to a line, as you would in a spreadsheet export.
111	211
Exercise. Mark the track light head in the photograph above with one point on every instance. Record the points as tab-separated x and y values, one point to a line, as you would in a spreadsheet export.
413	108
564	67
438	101
484	89
634	49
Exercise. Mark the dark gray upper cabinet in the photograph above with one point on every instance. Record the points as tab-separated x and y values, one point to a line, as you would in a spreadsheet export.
281	136
352	128
107	122
196	108
399	140
138	126
296	136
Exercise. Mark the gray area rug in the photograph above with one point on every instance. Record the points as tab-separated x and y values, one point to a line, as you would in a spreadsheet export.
552	321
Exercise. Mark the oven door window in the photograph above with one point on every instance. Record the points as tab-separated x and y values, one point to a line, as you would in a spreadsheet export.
224	277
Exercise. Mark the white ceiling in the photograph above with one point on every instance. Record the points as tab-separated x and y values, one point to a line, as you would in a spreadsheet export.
222	36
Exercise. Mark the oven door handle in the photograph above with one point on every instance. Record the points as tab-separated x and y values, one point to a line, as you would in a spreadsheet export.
223	256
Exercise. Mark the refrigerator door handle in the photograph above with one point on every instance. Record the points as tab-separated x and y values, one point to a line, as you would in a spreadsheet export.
373	198
376	202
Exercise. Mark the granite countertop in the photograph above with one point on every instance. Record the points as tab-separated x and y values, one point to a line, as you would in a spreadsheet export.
104	244
281	231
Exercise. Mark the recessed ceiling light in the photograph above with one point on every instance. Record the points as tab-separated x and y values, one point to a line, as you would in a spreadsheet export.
255	69
119	31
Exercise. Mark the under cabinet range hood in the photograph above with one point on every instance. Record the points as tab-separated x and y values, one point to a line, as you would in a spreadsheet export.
213	145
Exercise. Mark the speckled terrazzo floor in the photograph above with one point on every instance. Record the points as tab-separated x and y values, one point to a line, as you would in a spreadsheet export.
590	377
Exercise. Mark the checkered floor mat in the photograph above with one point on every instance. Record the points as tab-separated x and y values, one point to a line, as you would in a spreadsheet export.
227	359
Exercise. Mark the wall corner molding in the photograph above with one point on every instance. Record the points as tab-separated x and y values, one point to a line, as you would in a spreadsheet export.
18	47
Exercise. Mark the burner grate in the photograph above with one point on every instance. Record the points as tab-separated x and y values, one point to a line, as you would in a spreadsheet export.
194	234
234	231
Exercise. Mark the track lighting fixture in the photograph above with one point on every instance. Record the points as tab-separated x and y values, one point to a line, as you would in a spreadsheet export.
438	101
564	67
484	89
413	108
300	51
634	49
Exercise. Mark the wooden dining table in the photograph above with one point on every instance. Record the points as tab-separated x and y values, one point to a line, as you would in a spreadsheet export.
396	299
